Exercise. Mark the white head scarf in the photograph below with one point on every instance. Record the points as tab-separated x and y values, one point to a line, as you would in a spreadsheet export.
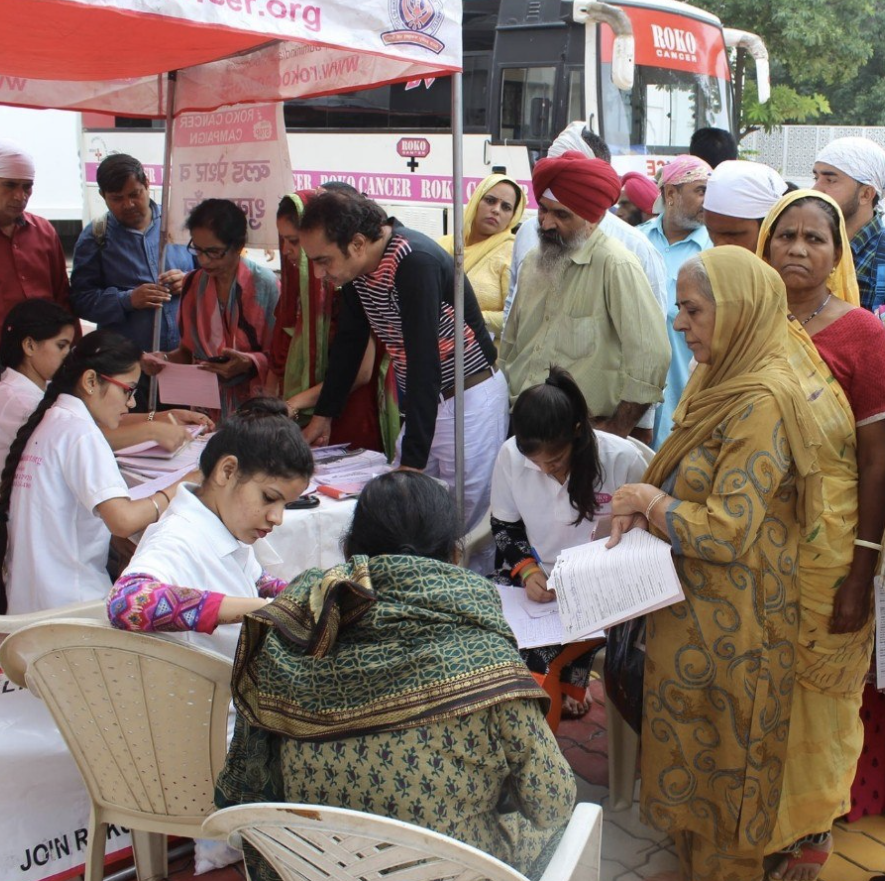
15	162
860	158
743	189
570	139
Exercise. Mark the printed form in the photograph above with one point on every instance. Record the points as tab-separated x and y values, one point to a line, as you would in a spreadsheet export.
597	588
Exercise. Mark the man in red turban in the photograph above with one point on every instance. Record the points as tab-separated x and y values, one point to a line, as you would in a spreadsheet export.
637	198
583	301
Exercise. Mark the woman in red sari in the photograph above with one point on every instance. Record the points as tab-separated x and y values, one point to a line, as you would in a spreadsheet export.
306	319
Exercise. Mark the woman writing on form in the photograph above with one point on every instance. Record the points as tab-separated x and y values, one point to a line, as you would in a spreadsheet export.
61	493
552	483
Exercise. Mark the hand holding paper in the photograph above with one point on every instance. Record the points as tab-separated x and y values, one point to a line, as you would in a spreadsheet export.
597	587
189	385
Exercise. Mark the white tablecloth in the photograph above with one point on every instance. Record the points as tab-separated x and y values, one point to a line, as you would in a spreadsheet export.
307	538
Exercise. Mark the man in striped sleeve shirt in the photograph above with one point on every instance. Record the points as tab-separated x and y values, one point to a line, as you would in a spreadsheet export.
400	283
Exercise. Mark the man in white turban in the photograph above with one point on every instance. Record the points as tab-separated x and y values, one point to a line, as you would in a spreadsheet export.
739	195
32	261
852	171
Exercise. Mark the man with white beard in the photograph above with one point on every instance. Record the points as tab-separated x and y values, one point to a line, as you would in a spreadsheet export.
583	301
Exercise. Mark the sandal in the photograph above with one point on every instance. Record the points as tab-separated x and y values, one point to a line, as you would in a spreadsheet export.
802	854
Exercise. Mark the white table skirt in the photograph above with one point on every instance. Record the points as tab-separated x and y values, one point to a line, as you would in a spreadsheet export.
307	538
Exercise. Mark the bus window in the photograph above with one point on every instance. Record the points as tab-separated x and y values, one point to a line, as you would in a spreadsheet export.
665	108
576	95
527	103
475	85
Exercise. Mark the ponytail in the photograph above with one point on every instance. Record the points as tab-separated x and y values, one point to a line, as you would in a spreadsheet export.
554	414
105	352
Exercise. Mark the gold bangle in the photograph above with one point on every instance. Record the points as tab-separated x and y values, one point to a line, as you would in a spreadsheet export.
652	503
162	492
154	503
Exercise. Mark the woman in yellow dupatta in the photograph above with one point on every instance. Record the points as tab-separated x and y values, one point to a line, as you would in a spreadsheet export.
804	237
494	209
728	489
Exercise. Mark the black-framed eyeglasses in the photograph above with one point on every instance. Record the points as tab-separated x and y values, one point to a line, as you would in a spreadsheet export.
210	253
129	389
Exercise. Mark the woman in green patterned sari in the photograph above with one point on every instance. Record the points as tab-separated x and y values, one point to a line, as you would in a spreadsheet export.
392	684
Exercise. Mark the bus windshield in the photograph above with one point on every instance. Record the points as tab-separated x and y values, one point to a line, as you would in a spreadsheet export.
681	81
663	111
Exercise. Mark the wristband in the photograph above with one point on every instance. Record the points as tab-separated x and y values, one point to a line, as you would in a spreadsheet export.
652	503
528	572
523	564
151	415
154	503
859	542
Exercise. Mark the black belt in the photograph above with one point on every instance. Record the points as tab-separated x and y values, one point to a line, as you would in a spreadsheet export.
469	382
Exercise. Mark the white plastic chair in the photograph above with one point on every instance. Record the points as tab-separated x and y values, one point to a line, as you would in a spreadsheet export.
315	843
93	609
145	720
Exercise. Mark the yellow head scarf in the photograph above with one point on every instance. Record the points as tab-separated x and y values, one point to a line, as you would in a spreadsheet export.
474	254
842	280
748	358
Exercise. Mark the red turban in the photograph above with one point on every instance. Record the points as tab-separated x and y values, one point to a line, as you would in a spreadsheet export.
589	187
641	190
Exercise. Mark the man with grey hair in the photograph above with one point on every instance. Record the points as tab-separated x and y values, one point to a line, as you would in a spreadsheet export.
852	171
32	261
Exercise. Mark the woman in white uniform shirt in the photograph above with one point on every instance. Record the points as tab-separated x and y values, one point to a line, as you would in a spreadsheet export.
553	482
61	492
195	570
35	338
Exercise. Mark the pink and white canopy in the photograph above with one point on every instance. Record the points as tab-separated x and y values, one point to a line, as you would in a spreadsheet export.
111	55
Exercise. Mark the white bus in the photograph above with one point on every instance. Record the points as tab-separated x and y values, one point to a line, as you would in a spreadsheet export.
530	68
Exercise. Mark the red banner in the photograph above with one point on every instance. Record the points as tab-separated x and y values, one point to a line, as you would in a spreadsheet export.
673	41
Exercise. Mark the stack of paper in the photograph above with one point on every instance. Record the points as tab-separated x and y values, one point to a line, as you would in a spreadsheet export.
151	450
343	475
186	459
597	587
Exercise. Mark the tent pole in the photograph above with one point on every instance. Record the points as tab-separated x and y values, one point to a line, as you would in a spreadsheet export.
164	217
458	230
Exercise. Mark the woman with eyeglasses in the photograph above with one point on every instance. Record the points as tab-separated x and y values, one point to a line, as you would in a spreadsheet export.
61	493
226	317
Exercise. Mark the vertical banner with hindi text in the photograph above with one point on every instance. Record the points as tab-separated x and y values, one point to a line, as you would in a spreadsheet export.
238	153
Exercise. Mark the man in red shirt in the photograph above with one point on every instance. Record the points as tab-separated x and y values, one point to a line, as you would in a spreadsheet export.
32	262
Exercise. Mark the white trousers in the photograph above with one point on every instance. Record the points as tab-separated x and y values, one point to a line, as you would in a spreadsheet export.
486	416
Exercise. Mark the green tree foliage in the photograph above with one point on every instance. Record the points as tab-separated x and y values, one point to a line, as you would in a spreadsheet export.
818	50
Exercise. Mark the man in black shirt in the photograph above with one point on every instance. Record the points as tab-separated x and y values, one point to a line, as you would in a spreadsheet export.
400	283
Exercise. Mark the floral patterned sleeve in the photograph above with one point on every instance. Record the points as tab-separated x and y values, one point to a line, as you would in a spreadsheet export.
512	541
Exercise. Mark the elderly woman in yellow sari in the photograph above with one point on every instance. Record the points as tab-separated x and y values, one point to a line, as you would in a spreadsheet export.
728	489
837	351
494	209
